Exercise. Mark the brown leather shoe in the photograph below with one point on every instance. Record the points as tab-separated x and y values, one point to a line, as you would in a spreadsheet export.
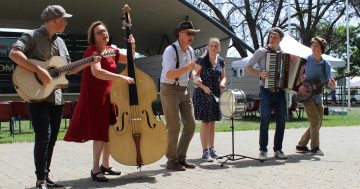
175	166
187	165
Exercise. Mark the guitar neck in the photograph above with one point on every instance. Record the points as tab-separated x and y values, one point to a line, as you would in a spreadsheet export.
335	78
75	64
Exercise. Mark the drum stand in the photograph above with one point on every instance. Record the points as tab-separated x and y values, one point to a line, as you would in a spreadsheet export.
233	156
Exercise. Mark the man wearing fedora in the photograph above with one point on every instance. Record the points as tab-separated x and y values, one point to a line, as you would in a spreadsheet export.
178	62
42	44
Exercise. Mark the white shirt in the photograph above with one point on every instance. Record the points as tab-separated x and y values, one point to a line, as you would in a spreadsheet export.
169	63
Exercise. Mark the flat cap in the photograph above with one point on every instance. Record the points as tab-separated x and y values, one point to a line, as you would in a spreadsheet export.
54	11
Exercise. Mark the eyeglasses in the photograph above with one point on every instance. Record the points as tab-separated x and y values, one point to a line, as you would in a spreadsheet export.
100	31
190	34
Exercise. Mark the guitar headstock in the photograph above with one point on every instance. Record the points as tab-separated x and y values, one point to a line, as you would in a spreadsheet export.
108	53
126	20
351	73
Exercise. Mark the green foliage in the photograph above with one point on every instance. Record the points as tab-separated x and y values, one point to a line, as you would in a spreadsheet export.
337	43
253	123
250	123
156	107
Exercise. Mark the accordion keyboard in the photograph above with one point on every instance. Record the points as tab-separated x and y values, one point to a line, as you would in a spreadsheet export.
271	68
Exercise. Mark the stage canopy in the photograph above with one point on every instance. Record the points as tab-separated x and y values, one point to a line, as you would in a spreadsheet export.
153	20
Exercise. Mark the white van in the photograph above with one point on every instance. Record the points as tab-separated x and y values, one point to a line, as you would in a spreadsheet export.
354	96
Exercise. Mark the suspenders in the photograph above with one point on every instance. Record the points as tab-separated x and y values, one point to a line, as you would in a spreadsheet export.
178	63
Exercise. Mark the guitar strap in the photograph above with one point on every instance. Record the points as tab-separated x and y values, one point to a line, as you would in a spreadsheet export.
178	63
63	50
268	48
324	70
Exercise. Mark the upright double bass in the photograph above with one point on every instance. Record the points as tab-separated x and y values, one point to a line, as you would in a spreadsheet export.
137	138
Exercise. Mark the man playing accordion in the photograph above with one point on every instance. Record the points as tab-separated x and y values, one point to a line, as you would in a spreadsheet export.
269	99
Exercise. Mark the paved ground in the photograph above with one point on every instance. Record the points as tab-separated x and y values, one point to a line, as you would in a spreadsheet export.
339	168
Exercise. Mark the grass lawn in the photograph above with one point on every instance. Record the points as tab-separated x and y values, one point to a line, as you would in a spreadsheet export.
250	123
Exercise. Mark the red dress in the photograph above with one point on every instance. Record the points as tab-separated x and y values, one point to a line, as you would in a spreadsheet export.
93	113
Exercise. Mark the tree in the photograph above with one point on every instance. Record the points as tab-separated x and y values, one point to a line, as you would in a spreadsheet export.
224	20
356	5
337	44
310	16
251	19
245	18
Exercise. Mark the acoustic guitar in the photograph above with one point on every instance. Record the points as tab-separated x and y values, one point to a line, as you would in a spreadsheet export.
29	86
315	87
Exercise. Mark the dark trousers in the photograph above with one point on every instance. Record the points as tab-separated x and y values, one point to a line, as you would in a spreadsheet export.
268	101
46	119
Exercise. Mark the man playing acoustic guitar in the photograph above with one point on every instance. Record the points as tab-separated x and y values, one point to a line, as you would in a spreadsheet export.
316	68
42	44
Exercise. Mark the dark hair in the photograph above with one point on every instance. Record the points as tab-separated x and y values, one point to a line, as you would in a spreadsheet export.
277	30
322	42
91	35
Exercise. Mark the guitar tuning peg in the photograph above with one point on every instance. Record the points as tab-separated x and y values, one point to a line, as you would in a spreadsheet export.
125	24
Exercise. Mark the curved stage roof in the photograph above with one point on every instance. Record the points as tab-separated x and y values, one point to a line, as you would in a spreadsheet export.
153	20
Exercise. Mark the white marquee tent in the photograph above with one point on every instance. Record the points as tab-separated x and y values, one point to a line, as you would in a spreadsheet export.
355	82
291	46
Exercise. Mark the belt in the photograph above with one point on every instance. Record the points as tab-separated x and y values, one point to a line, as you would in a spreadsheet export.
174	86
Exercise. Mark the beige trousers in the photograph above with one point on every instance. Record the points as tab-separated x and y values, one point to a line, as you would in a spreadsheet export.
176	101
315	113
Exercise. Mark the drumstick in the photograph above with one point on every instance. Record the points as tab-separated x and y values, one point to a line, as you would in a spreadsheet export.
215	97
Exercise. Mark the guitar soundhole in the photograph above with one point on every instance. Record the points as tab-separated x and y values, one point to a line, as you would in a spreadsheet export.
54	72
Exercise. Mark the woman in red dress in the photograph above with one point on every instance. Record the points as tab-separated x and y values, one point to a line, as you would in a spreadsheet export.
94	113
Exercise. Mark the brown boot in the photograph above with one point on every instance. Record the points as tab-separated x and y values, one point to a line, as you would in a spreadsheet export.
175	166
187	164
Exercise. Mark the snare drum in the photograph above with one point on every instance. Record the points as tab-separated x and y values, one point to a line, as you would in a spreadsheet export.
233	103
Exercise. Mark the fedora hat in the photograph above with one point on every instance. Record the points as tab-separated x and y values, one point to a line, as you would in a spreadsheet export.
185	25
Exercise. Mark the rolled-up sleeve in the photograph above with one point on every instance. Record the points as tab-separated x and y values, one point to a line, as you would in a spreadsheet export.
168	62
24	43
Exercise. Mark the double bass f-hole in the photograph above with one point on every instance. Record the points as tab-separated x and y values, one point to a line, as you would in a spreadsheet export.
148	120
122	122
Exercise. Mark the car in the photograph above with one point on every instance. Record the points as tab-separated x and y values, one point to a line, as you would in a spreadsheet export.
354	96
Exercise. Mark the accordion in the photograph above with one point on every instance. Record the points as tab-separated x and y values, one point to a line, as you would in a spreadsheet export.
284	71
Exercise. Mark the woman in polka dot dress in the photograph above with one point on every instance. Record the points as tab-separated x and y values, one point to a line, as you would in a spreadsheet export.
212	81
